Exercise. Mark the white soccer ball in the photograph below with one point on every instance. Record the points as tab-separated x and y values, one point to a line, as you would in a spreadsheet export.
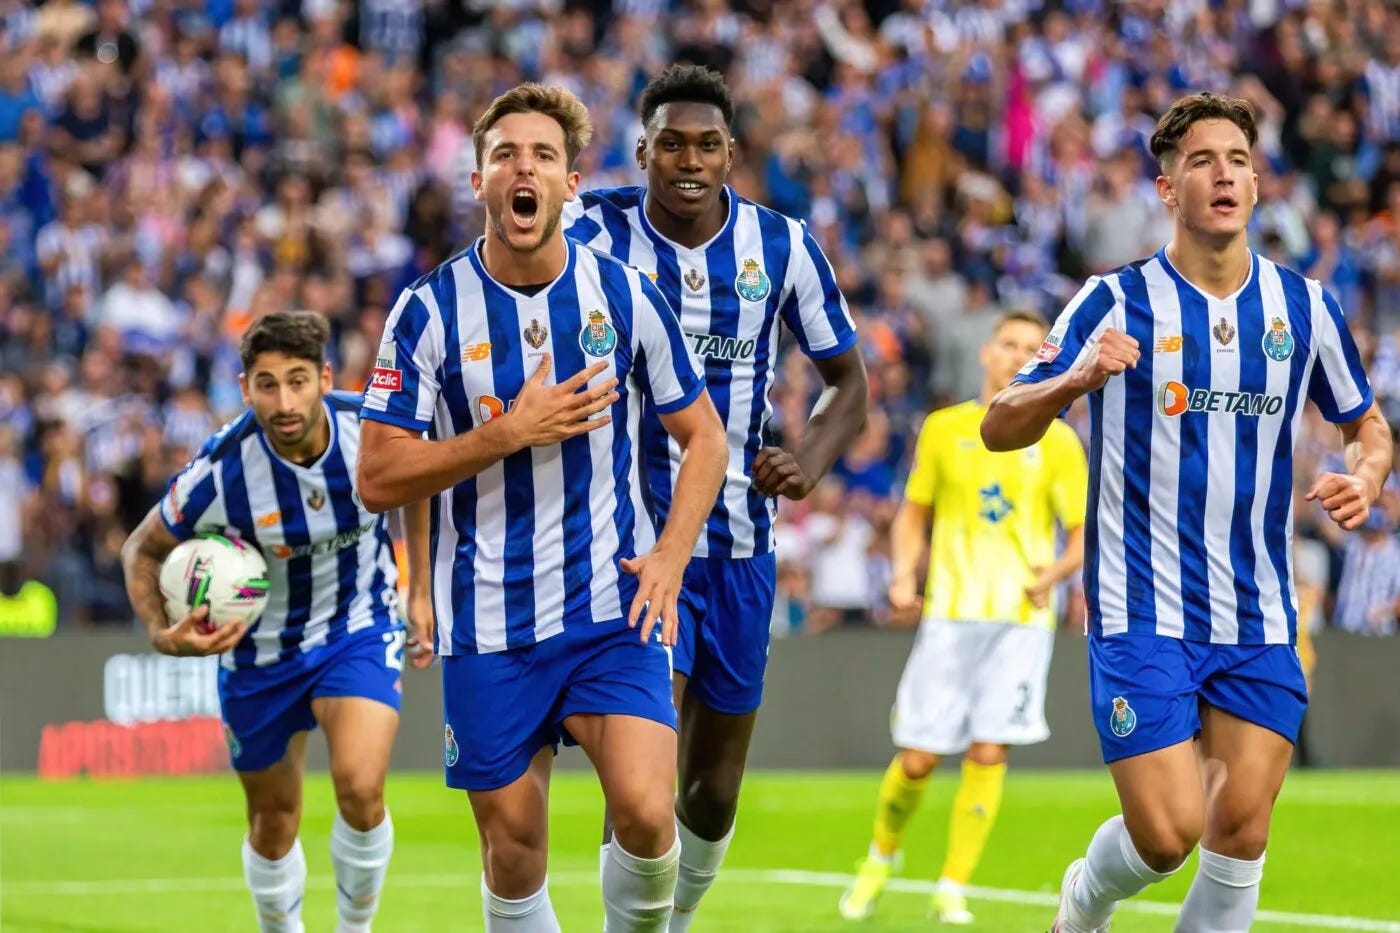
228	575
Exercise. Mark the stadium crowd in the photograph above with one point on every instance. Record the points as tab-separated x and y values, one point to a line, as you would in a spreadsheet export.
172	169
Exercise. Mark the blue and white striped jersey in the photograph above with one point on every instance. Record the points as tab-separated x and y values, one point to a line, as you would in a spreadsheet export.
731	293
1190	521
330	563
532	543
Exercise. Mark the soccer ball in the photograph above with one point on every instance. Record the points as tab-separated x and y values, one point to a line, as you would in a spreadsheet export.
226	574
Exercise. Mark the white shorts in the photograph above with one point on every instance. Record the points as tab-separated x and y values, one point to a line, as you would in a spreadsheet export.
970	682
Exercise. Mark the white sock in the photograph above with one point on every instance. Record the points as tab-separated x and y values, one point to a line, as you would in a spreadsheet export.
361	860
277	887
879	856
1223	897
1113	871
700	861
532	914
602	871
638	892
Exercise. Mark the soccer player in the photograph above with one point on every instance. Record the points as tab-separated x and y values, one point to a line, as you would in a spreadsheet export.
734	270
328	649
975	681
545	557
1196	362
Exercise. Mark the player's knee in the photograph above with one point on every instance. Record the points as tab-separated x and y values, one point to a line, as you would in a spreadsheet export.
1239	832
360	798
645	824
1164	848
514	856
273	825
709	799
917	765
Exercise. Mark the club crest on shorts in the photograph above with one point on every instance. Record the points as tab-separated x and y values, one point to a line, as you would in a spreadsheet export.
449	746
753	283
1122	721
235	748
1278	342
598	338
534	334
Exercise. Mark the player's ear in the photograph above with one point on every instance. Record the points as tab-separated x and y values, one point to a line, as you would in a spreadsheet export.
243	387
1165	192
571	185
476	184
327	380
642	153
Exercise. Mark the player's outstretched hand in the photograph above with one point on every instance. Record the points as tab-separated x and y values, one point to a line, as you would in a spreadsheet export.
1112	354
422	624
776	472
1346	498
544	414
1038	590
190	637
659	576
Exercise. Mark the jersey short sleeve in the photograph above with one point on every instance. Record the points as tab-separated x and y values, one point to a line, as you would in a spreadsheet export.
922	486
1339	385
403	389
1073	333
1069	474
816	311
191	496
672	375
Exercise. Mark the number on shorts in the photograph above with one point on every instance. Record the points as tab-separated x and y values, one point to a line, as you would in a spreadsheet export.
393	649
1023	701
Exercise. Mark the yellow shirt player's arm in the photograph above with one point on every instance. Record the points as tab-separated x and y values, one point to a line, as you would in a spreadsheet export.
909	531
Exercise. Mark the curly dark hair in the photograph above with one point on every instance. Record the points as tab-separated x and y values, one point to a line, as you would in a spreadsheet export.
689	84
1204	106
301	335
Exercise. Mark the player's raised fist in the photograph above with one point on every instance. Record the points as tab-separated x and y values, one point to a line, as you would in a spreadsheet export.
1113	353
1346	498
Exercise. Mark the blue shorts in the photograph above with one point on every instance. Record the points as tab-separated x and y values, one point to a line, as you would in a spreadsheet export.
503	707
726	610
263	707
1145	690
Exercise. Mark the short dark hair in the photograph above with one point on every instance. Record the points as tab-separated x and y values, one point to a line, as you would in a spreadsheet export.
301	335
558	103
1019	317
691	84
1204	106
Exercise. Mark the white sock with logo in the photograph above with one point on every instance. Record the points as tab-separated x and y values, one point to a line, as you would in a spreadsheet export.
361	861
277	886
638	893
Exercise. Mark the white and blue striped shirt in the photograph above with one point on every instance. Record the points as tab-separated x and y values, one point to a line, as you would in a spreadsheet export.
531	544
1190	520
330	563
731	293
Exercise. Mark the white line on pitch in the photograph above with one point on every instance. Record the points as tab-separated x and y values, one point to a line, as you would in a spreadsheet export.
734	876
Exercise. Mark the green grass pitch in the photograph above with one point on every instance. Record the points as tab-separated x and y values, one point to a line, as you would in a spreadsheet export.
101	857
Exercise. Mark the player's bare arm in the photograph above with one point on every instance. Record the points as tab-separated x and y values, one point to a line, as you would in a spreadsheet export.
835	422
142	555
1020	414
908	537
421	620
397	466
1047	578
704	458
1347	497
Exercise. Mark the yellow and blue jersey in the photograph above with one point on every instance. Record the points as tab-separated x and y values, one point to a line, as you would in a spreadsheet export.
994	514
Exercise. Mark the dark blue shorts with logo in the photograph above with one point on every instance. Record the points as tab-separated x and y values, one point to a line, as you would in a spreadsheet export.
1145	690
726	612
263	707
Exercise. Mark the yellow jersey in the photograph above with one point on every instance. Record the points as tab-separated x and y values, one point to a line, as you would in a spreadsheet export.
994	514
